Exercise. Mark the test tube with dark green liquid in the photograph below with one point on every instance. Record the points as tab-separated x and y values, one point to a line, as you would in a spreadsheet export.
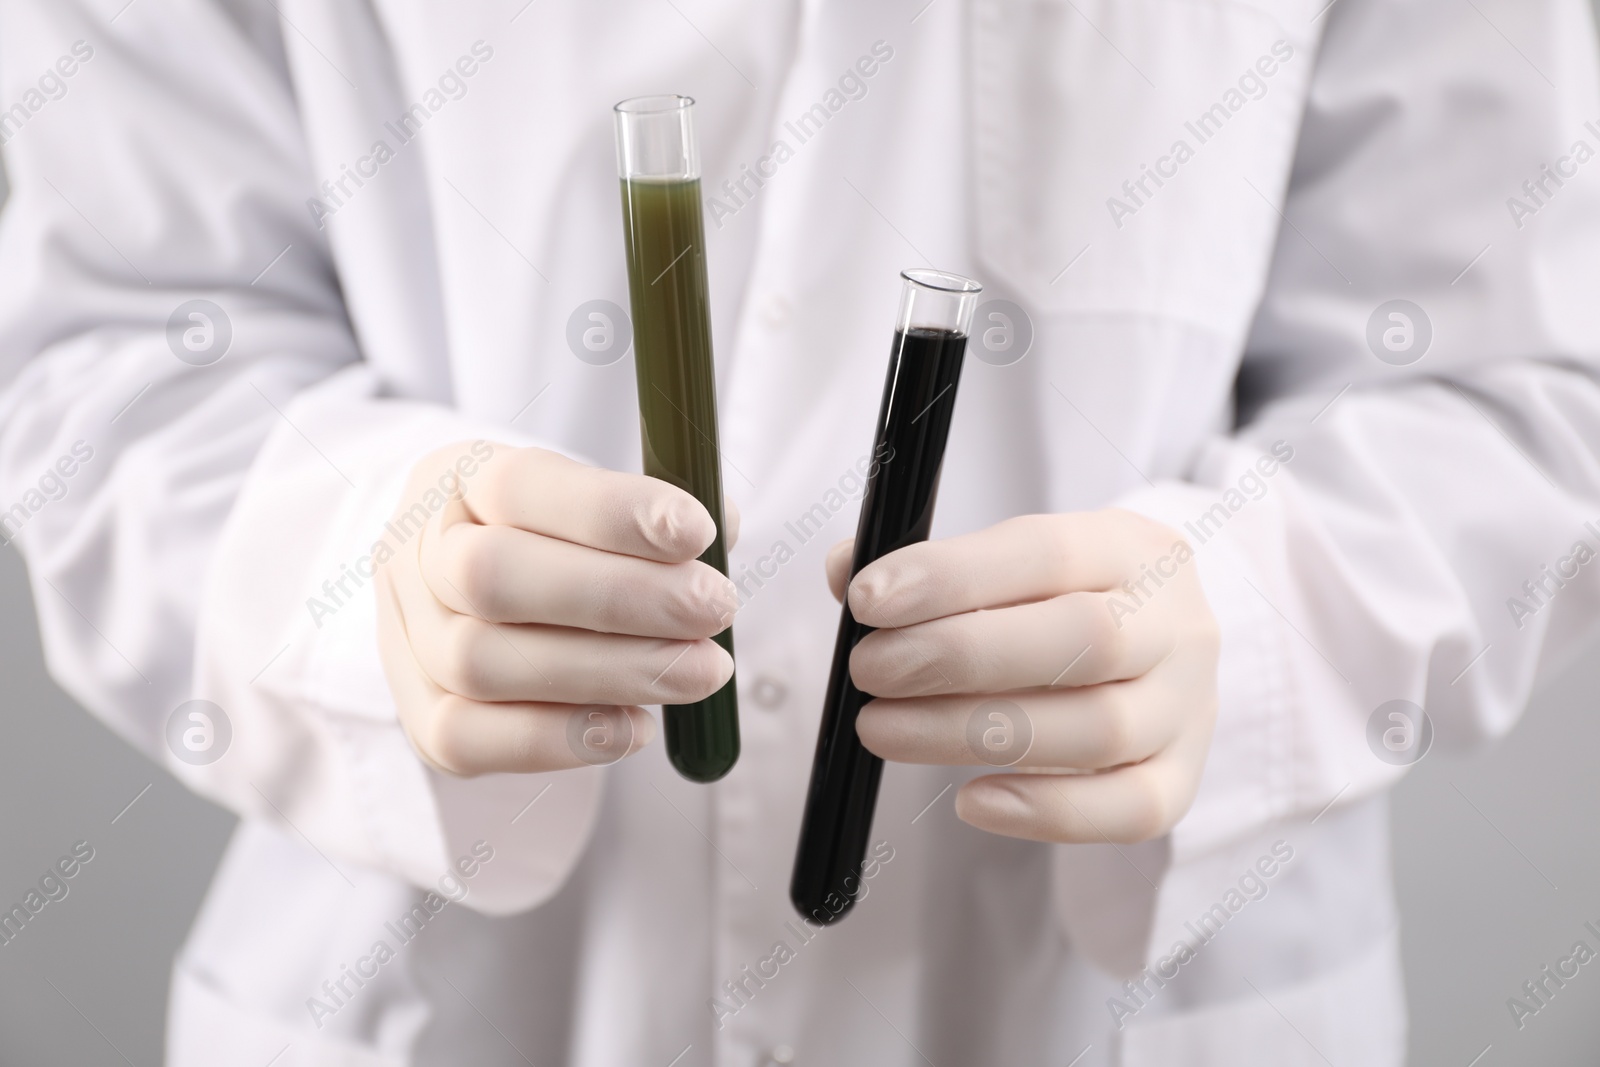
659	164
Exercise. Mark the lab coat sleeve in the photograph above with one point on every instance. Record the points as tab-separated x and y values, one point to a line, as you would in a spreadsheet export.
180	512
1428	529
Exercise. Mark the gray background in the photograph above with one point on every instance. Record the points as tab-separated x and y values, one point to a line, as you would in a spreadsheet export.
1497	868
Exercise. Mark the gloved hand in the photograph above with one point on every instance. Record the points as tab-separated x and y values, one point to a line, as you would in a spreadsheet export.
541	605
1106	692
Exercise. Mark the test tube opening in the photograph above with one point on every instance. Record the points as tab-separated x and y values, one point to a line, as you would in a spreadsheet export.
937	300
655	138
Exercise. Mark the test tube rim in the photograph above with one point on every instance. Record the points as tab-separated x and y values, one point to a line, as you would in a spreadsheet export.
943	281
635	105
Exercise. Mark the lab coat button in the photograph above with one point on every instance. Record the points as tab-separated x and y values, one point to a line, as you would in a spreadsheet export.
769	692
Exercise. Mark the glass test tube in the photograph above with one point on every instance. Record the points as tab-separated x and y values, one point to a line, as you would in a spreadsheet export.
919	399
658	162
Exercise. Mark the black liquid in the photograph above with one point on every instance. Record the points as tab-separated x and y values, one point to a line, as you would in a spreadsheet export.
919	399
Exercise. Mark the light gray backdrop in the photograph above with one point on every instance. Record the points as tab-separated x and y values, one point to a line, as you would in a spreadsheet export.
1496	859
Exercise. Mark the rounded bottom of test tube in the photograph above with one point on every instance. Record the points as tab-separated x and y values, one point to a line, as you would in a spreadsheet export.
703	739
819	906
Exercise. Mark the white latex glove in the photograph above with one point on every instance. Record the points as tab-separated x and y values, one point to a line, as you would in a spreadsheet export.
541	605
1020	646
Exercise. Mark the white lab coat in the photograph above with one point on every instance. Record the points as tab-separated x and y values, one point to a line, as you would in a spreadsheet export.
1179	330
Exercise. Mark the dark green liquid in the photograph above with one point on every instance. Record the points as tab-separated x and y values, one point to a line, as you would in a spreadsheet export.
678	417
919	400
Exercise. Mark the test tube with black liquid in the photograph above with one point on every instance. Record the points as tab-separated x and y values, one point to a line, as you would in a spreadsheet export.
658	161
919	399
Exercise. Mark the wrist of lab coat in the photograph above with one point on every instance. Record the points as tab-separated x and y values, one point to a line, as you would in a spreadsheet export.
288	650
1108	895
